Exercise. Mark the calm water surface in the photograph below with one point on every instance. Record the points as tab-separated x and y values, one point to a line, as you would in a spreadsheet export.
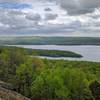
89	53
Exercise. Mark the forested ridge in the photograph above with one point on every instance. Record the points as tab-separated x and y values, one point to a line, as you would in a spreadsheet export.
43	79
37	40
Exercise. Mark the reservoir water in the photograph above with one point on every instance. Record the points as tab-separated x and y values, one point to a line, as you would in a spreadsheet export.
89	52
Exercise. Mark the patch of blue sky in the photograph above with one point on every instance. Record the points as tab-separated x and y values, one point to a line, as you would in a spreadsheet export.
7	5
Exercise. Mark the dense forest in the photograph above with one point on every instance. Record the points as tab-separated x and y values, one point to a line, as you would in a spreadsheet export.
48	53
54	53
44	79
36	40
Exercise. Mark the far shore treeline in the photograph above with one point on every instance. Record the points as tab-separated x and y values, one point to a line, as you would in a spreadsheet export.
36	40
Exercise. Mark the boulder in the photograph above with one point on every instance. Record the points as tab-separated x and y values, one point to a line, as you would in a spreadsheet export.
95	89
7	93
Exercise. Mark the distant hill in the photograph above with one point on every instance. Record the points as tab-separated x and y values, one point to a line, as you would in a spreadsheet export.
49	40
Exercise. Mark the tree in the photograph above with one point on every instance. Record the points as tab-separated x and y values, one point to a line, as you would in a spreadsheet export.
24	77
61	84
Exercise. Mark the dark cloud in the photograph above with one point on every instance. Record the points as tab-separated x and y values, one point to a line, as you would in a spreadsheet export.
15	19
33	17
76	7
51	16
48	9
20	21
73	7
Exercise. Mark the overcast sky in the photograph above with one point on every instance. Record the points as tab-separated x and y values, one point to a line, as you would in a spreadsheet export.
50	17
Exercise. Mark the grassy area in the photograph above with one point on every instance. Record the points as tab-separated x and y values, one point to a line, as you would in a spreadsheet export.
50	40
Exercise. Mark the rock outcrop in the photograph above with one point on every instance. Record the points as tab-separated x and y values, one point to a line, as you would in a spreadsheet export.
7	93
95	89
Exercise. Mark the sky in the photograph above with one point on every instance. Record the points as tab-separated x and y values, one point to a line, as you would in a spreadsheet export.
50	17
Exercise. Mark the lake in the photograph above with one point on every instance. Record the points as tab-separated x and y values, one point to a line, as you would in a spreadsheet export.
89	52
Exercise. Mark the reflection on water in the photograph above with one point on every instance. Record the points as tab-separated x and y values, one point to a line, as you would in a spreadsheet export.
89	53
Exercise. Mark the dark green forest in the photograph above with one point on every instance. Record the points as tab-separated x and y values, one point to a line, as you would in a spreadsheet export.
48	53
36	40
44	79
53	53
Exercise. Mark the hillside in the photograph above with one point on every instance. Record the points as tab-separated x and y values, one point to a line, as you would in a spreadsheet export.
44	79
49	40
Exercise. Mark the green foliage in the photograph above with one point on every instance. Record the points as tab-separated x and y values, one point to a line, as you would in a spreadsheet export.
24	76
43	79
50	40
56	53
9	60
61	84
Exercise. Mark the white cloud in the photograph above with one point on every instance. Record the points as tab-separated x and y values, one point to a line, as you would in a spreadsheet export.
33	17
46	16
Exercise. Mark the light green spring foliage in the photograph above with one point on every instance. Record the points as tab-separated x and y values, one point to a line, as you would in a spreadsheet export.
47	79
61	84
